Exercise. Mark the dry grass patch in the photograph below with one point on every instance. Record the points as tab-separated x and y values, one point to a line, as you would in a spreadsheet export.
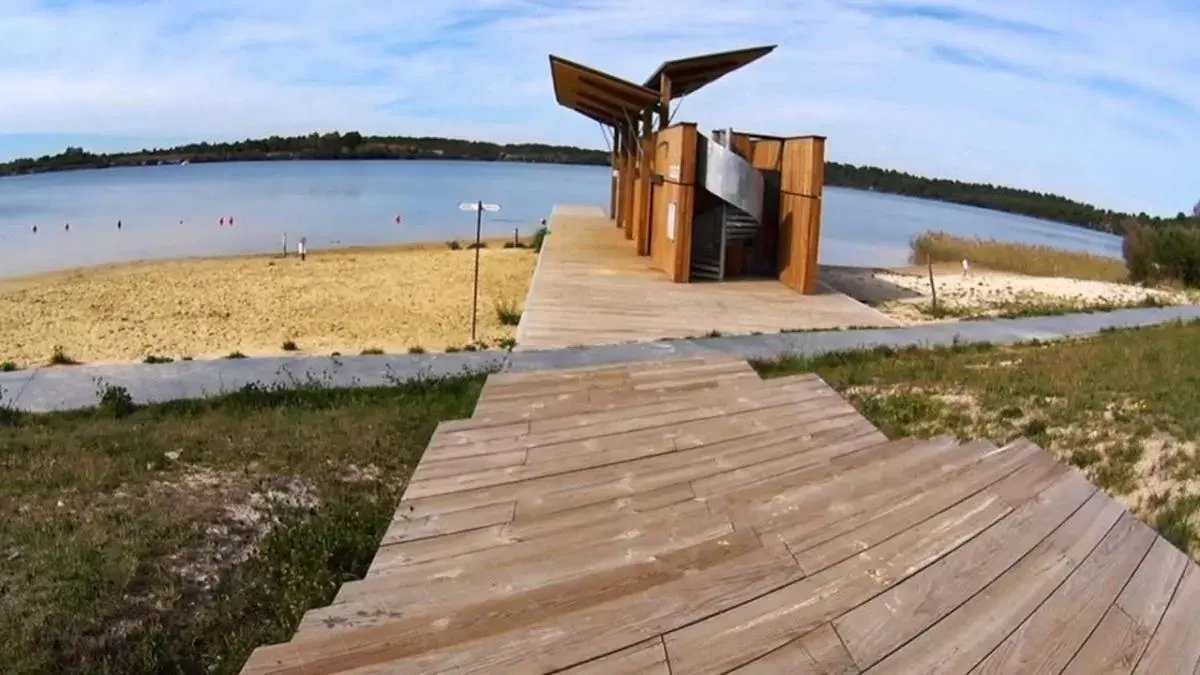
1029	259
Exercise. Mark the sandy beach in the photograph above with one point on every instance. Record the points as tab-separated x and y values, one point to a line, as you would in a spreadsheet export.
389	298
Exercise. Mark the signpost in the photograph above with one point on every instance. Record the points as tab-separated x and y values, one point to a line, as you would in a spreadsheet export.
478	207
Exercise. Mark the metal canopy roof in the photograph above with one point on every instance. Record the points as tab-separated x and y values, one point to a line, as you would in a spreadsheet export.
600	96
688	75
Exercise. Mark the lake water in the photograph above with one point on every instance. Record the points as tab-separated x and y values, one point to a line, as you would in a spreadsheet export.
172	211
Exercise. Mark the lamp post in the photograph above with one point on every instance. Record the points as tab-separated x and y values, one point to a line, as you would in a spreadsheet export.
478	207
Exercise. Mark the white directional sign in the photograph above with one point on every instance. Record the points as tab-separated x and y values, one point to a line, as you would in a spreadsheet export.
474	206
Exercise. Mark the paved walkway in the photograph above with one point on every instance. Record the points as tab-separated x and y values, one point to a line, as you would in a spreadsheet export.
72	387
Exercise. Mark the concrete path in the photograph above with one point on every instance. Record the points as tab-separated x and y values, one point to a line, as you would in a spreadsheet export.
72	387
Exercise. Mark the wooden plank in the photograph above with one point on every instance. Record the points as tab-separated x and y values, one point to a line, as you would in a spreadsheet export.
644	658
819	543
749	631
967	635
1049	638
887	621
1175	647
672	467
553	627
633	440
435	548
438	524
818	653
1117	643
570	527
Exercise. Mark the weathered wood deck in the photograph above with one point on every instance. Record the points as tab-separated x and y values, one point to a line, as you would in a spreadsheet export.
591	288
688	517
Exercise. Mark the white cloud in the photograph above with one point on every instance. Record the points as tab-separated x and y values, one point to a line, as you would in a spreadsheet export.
1096	99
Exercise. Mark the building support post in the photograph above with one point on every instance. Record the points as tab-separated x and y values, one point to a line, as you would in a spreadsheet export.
614	172
664	101
647	174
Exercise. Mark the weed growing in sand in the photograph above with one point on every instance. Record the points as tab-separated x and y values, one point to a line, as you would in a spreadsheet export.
143	546
452	349
1120	406
416	349
371	351
290	346
477	244
9	367
453	245
235	355
507	312
185	358
59	357
469	348
507	343
539	238
153	359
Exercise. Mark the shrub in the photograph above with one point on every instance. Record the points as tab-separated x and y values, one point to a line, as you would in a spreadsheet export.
116	400
451	350
59	357
235	355
453	245
1167	253
539	237
507	343
151	358
371	351
507	312
290	346
416	349
469	348
474	245
9	366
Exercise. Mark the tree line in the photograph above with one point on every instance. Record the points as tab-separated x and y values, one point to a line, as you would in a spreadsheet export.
333	145
354	145
1042	205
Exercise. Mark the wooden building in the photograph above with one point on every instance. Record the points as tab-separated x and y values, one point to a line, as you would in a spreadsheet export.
703	207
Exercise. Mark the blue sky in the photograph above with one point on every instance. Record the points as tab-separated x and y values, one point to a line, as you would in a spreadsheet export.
1095	99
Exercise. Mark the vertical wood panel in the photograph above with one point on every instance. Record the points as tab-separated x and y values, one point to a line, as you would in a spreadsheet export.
801	179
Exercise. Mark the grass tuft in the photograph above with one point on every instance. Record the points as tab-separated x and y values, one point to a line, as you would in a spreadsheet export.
416	349
290	346
154	359
9	366
453	245
507	312
371	351
235	355
59	357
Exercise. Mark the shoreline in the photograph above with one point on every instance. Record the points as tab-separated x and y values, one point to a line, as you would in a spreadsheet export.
34	277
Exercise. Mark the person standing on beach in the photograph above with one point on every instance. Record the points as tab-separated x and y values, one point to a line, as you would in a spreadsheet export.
302	247
35	229
66	227
118	224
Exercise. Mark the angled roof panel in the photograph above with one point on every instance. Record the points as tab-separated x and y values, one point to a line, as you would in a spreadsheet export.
688	75
600	96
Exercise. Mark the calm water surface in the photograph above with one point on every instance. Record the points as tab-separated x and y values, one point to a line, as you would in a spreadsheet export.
173	211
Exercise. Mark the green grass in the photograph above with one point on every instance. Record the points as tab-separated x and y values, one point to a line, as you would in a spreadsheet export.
1120	406
9	366
1041	261
539	238
114	519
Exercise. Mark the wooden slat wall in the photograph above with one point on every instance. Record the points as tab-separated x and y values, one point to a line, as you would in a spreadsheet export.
801	181
674	147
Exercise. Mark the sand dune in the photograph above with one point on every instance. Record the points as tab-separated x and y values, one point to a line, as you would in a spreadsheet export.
387	298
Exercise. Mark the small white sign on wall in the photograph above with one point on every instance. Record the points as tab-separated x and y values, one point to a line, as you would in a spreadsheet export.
616	173
670	221
673	172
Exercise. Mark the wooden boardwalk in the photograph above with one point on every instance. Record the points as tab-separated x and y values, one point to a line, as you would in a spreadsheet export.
591	288
688	517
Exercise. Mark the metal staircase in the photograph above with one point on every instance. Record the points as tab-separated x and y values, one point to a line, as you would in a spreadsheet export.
739	187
